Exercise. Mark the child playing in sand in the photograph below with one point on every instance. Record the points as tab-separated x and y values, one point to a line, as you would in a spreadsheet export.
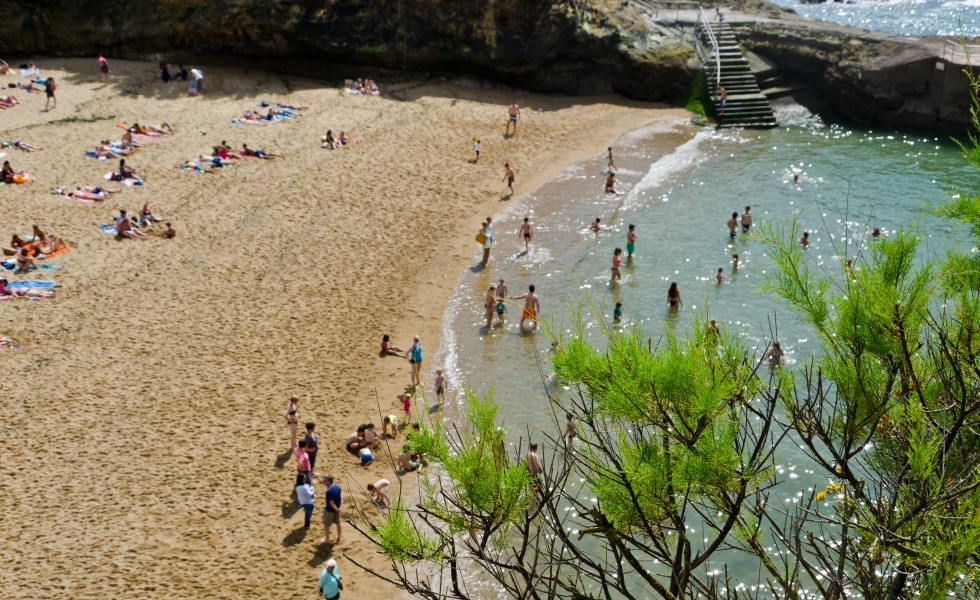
388	350
407	407
392	422
379	492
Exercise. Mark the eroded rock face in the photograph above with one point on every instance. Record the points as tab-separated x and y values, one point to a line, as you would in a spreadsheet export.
539	44
585	46
869	77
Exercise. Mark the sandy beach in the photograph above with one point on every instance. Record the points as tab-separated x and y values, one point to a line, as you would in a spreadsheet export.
143	436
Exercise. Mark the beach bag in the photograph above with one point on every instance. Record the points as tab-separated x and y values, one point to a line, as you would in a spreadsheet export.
481	238
192	90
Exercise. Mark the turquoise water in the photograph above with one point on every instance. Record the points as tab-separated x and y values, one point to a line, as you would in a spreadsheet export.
850	181
960	18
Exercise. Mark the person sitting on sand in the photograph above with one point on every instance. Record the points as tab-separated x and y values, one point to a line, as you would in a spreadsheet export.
370	436
8	102
408	462
257	153
328	140
147	217
125	228
388	350
16	242
7	173
19	146
342	139
355	441
24	261
126	171
169	233
127	140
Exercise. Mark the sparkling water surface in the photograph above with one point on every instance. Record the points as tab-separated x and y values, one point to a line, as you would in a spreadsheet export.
682	183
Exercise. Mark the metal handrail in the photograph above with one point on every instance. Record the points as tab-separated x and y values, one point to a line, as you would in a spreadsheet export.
703	26
952	48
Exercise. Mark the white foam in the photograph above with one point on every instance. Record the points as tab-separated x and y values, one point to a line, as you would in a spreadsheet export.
686	156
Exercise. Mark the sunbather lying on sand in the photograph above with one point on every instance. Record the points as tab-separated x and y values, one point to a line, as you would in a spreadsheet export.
84	192
8	101
214	160
193	165
246	151
19	146
150	130
8	292
223	151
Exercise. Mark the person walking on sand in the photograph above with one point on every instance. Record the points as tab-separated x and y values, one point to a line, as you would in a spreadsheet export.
304	495
532	305
489	302
329	583
292	419
439	385
501	304
630	242
312	444
732	224
488	241
379	492
609	158
476	150
49	87
747	219
407	407
104	70
303	460
414	356
526	233
509	178
513	114
331	508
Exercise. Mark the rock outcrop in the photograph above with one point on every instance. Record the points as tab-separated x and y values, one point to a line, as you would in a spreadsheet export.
546	45
567	46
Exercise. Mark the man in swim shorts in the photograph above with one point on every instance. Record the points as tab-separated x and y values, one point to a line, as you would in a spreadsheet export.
732	223
630	241
747	219
527	234
513	113
532	305
509	177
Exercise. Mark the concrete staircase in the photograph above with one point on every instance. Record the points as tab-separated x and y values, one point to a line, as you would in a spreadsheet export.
746	105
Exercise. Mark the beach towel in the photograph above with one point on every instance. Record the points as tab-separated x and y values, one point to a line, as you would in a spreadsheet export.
95	154
109	228
46	267
32	284
19	178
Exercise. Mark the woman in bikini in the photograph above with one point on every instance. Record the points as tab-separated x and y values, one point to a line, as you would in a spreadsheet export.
292	419
616	261
674	297
489	303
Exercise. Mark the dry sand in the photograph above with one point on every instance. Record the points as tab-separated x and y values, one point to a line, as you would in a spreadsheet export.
142	421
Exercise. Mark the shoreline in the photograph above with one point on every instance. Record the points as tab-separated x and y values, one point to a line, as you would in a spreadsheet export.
163	366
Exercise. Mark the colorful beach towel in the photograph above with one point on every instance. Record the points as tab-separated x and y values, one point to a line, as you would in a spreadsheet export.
32	284
40	266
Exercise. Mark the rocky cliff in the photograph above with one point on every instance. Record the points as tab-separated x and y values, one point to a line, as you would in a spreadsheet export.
547	45
568	46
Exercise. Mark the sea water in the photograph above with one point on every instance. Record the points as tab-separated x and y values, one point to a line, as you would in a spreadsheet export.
959	18
681	185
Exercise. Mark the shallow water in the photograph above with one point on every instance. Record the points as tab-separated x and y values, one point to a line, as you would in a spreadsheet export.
850	180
